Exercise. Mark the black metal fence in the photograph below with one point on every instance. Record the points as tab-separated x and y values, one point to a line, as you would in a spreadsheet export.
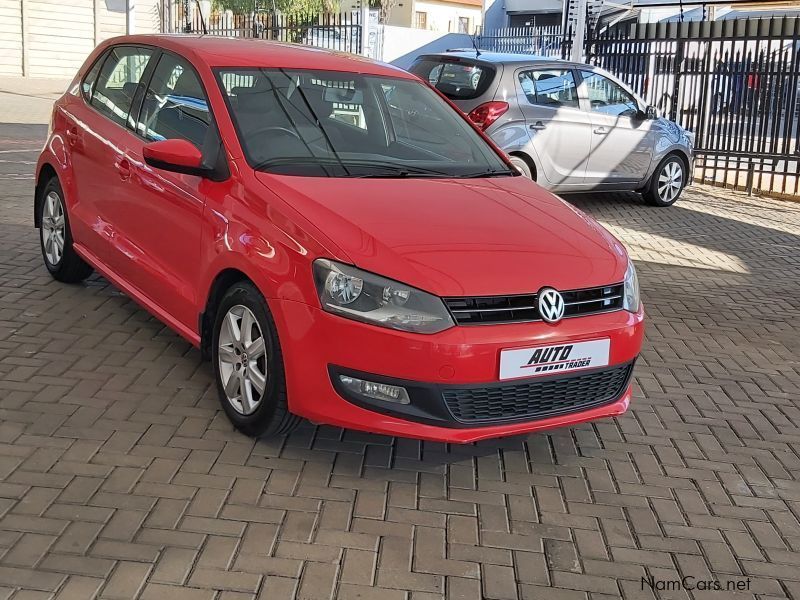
541	41
335	31
735	84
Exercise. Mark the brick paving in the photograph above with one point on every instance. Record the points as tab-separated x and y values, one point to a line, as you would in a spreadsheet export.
120	477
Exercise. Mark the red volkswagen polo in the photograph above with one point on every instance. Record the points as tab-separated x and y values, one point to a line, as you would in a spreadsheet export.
339	240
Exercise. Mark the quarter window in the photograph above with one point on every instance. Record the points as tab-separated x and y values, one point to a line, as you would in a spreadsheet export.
87	85
549	87
118	80
175	105
606	96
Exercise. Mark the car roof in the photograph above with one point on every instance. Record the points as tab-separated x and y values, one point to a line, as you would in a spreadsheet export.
501	57
218	51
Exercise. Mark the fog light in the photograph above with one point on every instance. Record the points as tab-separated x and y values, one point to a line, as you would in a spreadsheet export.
376	391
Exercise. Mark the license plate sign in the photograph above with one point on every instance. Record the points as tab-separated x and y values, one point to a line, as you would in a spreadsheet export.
553	359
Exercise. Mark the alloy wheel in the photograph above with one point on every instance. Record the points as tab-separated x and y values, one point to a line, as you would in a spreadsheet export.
242	359
670	181
53	228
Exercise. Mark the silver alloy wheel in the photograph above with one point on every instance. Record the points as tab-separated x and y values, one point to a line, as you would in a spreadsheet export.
242	357
53	228
670	181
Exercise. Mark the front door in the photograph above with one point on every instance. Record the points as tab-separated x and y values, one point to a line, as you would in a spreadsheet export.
164	212
560	131
622	141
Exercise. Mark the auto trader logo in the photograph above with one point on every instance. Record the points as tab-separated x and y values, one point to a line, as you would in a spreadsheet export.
556	358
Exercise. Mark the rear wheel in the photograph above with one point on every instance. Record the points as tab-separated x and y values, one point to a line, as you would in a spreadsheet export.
248	364
55	237
667	182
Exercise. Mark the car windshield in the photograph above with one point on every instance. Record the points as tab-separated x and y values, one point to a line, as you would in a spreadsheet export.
334	124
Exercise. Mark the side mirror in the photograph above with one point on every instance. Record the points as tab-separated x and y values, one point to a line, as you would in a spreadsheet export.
651	112
178	156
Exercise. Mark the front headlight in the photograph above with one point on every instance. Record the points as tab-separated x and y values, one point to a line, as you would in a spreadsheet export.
630	300
356	294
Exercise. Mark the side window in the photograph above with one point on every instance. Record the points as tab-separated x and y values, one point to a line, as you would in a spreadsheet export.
175	105
549	87
606	96
87	85
117	81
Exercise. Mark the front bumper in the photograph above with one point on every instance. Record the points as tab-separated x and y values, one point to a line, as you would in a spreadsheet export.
317	346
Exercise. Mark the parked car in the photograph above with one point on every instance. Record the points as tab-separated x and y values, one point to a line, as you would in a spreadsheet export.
572	127
339	241
344	38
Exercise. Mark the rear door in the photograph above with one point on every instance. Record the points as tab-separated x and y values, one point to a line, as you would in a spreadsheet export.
98	133
560	131
622	140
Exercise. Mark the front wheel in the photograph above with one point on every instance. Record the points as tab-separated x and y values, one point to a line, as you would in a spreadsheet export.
667	182
55	237
521	165
248	364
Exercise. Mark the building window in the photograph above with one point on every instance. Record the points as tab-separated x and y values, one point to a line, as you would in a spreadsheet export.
463	24
421	20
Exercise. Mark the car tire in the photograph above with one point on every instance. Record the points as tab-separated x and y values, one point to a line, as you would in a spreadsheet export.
667	182
521	165
55	237
248	364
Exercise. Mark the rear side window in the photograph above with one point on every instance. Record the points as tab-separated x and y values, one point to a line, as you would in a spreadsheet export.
117	81
175	105
549	87
456	78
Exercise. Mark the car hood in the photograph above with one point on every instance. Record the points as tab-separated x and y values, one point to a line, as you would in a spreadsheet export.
457	237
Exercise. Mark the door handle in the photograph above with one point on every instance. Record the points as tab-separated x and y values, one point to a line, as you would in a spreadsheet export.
601	130
539	125
123	168
72	135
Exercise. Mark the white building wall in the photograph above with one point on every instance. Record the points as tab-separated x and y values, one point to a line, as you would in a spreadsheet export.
443	16
10	37
52	38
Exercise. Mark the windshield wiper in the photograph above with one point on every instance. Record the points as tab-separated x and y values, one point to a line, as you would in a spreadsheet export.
399	171
490	173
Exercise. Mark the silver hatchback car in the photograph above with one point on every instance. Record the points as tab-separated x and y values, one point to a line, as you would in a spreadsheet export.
570	126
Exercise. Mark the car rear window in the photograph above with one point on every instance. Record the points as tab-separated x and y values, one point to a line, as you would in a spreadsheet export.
457	78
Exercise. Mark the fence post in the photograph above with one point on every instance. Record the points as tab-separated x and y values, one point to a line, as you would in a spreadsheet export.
676	90
364	28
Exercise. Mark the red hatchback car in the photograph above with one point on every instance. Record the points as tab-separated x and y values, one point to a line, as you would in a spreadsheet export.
338	239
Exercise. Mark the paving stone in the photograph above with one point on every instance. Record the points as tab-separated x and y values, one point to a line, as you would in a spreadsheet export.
119	474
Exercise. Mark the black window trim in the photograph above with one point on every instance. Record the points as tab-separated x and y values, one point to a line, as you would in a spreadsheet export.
136	101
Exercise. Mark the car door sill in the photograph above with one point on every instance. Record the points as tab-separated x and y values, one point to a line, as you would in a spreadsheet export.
138	296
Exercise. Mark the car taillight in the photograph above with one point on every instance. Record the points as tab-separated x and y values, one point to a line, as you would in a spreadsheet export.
487	113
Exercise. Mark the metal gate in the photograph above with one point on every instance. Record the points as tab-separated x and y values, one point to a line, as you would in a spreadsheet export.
335	31
735	83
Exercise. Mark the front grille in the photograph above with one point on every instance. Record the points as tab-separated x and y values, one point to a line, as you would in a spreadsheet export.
478	310
538	399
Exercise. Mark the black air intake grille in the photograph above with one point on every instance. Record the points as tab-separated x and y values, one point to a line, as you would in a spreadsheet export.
538	399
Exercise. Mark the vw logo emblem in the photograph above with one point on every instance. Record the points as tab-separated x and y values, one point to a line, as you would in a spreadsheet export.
551	305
